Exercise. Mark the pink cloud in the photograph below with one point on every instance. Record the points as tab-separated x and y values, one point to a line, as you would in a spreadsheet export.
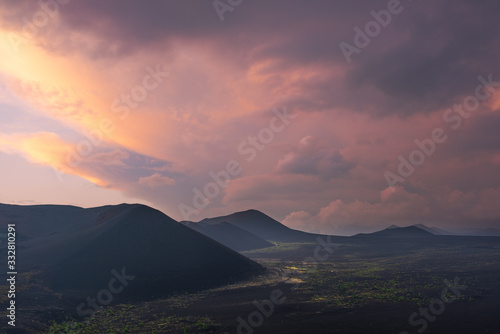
325	171
156	180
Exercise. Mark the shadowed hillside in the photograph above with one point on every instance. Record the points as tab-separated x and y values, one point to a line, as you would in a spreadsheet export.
230	235
77	249
263	226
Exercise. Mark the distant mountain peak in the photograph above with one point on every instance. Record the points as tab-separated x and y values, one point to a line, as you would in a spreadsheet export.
251	213
261	225
397	232
392	226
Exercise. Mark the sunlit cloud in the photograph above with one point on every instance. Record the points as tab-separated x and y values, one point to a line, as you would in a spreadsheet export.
140	101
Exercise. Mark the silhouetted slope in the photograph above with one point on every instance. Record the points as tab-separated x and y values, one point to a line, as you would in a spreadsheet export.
193	225
76	250
41	220
263	226
230	235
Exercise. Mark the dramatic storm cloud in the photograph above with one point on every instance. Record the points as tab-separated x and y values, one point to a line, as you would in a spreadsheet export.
333	116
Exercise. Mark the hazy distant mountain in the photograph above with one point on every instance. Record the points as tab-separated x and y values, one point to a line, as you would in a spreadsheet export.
263	226
392	226
76	249
433	230
396	231
230	235
486	232
193	225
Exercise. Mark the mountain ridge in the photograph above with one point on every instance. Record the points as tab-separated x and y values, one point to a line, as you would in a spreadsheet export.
79	248
263	226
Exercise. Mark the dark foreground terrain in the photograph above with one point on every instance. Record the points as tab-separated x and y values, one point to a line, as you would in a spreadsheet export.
436	284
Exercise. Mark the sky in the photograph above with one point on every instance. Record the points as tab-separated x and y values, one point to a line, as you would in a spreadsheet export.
330	116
